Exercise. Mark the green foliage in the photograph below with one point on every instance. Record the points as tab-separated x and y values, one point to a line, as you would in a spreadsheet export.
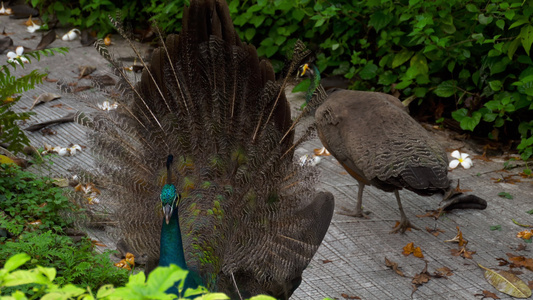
73	263
29	201
10	85
138	287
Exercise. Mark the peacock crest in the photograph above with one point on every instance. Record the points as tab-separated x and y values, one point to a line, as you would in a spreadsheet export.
250	217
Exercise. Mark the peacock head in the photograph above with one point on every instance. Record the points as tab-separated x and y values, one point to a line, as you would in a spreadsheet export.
169	199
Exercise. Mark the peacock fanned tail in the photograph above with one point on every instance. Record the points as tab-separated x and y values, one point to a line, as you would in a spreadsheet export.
250	216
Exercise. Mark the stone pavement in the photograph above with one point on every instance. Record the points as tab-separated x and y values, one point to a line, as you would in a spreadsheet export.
351	261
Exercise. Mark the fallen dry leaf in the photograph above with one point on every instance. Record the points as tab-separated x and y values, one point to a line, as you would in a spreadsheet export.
81	88
410	248
530	284
526	234
326	261
85	70
44	98
393	266
50	80
502	261
458	238
506	179
487	294
435	231
462	252
420	279
398	224
127	262
520	247
521	261
507	283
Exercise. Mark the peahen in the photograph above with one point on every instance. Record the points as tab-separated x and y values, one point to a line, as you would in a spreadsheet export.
380	144
206	136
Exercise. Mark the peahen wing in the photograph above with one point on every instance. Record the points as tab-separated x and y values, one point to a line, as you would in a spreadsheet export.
250	216
373	135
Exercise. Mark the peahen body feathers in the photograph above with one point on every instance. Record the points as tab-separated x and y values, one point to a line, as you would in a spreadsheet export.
380	144
250	218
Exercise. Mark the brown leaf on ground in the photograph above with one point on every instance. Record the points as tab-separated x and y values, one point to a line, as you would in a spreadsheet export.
420	279
418	252
408	249
435	231
521	261
506	179
432	214
502	261
346	296
326	261
394	266
458	238
520	247
487	294
526	234
50	80
444	271
530	284
127	262
462	252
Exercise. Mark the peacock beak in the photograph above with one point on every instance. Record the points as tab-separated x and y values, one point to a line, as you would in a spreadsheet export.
167	211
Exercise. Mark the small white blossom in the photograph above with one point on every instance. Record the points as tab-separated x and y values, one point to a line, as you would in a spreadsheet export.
107	106
71	35
12	56
461	158
309	160
5	11
74	149
33	27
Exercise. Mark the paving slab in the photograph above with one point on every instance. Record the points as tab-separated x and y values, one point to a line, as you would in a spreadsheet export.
351	261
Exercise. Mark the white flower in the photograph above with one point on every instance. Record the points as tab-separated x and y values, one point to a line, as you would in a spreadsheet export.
5	11
309	160
33	27
461	158
71	35
12	56
74	149
62	151
107	106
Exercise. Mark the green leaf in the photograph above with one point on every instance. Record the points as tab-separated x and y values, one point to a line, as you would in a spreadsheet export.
496	227
472	8
302	86
249	33
526	36
459	114
446	89
489	117
368	72
401	58
402	85
298	14
505	195
495	85
470	123
16	261
380	19
483	20
509	14
501	24
513	46
530	211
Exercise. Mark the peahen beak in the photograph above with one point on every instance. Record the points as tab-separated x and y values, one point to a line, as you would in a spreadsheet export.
167	211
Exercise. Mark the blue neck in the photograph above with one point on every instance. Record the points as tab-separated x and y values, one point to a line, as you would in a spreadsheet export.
171	252
315	82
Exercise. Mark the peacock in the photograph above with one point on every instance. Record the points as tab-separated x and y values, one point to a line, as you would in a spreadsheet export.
380	144
196	166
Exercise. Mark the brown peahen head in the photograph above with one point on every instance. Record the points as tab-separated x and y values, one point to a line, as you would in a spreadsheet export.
250	217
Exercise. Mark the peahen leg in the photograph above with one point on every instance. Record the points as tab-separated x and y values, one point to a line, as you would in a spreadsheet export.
404	222
358	212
